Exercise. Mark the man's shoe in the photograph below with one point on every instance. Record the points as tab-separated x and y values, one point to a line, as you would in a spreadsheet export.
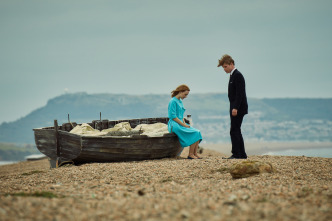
232	157
229	158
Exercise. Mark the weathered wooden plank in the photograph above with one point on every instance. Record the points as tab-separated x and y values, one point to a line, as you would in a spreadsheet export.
45	142
118	158
70	145
56	138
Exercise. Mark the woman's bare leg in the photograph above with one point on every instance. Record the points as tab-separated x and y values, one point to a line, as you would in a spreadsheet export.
196	148
192	151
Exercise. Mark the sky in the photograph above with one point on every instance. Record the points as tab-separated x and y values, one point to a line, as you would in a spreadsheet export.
49	48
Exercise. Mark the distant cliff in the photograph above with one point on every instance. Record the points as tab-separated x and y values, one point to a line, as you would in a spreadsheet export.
285	119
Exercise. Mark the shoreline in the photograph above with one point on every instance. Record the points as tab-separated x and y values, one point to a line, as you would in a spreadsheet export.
260	148
8	162
252	148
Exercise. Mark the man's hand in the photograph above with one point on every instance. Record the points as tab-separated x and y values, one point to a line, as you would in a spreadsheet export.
234	112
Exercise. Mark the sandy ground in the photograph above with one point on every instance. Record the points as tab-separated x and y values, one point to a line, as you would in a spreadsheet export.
168	189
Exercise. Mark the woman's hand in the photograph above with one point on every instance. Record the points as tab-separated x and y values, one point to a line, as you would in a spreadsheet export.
186	125
177	120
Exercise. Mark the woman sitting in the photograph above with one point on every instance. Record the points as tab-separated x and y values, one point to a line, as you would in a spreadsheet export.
188	136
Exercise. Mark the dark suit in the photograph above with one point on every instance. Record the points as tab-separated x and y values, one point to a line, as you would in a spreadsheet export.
238	100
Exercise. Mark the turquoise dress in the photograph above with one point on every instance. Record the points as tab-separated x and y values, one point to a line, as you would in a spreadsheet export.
187	136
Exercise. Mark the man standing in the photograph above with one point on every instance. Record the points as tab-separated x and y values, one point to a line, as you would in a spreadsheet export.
238	105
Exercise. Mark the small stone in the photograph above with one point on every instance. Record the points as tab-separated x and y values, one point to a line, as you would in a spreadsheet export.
185	214
245	197
232	198
141	192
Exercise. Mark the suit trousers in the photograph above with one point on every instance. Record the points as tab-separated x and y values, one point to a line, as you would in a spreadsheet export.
238	150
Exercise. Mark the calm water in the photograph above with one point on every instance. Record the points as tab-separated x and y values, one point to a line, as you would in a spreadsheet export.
7	162
319	152
32	156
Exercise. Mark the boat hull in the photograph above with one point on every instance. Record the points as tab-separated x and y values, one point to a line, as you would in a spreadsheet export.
85	149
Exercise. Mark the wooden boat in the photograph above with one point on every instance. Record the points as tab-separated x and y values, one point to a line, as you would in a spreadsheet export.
61	146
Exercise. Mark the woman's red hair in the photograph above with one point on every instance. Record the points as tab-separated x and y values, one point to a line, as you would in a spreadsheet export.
179	89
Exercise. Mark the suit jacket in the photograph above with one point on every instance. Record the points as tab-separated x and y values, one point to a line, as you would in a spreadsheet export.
237	93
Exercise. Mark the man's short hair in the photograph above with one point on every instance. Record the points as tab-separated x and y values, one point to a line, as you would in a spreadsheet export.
226	59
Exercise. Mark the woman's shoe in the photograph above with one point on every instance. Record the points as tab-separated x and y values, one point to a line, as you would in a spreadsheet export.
191	158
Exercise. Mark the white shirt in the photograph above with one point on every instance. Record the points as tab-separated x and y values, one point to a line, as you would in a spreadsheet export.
233	71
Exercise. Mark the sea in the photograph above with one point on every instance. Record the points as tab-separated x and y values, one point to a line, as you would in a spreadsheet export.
29	157
7	162
317	152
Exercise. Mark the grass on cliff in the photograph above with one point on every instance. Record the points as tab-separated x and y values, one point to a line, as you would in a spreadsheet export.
16	152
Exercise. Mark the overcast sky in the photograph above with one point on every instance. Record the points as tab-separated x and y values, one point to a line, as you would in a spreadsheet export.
48	48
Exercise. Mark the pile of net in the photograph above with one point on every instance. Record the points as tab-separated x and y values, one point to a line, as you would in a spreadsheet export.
123	129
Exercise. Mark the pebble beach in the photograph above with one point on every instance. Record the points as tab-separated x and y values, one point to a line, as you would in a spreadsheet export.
300	188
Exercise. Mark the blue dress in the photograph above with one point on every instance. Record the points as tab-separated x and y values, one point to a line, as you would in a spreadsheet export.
187	136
